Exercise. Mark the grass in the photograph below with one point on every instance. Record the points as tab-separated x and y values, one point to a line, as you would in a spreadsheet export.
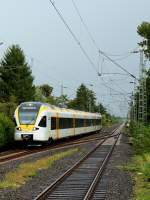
140	168
140	163
18	177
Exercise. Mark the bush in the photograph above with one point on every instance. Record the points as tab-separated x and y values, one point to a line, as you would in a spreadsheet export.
8	108
140	137
6	130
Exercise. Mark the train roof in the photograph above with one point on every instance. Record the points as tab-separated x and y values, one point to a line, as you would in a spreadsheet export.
61	110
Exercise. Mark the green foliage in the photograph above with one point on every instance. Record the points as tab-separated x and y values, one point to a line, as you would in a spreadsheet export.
144	31
105	121
100	108
38	95
61	101
85	100
15	76
6	130
46	90
140	137
45	96
140	164
8	108
136	98
140	167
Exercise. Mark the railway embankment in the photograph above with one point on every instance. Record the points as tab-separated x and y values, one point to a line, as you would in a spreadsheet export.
24	179
139	166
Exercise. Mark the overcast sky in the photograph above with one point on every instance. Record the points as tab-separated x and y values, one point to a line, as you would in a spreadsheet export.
55	56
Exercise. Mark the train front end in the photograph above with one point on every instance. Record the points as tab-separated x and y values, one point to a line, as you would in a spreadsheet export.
31	122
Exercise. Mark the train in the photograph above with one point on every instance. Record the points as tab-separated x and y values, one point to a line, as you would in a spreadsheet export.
42	122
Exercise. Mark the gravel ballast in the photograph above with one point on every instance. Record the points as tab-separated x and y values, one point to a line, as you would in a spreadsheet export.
44	177
116	183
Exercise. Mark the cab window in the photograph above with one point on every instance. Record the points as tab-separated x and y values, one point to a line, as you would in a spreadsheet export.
14	120
43	122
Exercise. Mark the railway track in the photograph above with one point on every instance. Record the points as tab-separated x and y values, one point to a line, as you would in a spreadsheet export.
16	155
80	181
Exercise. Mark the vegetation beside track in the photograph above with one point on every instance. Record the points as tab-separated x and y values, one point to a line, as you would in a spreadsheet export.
24	171
140	163
140	124
6	130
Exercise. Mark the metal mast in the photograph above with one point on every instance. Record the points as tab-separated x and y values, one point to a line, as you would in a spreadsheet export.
142	111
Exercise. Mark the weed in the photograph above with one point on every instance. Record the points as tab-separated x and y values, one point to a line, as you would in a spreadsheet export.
18	177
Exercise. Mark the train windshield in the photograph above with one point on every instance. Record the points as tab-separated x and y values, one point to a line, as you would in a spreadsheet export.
28	113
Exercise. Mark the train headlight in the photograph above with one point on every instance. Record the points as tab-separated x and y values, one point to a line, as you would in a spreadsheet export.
35	129
18	128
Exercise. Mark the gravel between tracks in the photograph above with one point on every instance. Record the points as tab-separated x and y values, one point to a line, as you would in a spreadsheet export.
45	177
120	183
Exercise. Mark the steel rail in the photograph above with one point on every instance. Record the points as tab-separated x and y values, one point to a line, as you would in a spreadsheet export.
99	174
44	194
22	154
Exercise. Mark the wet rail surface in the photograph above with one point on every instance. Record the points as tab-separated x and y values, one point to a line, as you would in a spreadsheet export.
81	180
18	154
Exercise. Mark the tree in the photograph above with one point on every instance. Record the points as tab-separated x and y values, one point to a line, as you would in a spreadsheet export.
43	93
46	90
81	102
85	100
16	76
61	101
100	108
38	94
144	31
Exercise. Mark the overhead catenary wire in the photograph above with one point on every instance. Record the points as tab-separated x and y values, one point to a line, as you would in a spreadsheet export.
95	44
74	36
119	87
84	24
78	42
123	54
99	51
117	64
121	93
123	57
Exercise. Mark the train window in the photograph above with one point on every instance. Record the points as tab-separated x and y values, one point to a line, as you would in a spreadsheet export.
79	123
53	123
43	122
98	122
93	122
65	123
89	122
14	120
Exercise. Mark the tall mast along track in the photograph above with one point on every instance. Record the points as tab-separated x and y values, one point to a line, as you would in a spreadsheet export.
80	181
